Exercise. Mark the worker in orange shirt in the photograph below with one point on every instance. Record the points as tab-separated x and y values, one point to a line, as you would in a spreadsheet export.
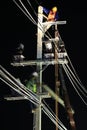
52	14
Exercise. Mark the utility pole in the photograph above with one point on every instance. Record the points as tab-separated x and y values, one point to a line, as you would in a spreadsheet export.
37	115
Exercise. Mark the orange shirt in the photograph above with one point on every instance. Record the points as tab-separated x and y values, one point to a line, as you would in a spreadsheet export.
51	16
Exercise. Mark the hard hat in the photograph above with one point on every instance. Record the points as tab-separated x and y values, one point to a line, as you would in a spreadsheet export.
54	9
35	74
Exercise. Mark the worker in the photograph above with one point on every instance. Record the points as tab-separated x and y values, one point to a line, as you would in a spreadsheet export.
52	15
32	85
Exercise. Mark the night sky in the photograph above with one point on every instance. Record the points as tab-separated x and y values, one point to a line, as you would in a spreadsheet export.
16	28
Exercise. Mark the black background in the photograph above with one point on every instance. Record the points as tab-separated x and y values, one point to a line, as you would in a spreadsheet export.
16	28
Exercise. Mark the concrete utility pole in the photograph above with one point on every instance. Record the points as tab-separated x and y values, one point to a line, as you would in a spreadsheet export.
37	118
37	115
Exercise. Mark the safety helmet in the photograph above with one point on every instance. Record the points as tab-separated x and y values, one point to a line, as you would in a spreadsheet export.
54	9
35	74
